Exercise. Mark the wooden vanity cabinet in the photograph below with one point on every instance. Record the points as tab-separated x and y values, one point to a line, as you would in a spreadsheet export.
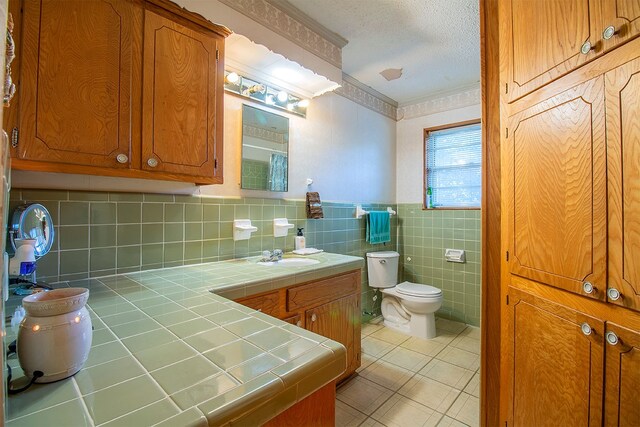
129	88
545	40
340	321
329	307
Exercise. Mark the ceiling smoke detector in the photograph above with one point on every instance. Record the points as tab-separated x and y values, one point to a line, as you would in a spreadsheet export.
391	73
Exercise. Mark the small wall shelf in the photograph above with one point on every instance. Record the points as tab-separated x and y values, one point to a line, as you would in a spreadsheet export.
281	227
242	229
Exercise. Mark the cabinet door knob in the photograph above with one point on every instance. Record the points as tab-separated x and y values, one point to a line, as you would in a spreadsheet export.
152	162
314	317
609	32
299	323
613	294
586	329
122	158
586	47
588	288
612	338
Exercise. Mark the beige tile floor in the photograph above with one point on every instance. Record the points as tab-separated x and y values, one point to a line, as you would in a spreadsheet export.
406	381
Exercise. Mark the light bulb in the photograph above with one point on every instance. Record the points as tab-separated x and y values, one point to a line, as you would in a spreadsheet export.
283	96
304	103
233	77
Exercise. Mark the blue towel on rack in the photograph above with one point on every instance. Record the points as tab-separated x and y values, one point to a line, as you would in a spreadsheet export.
378	227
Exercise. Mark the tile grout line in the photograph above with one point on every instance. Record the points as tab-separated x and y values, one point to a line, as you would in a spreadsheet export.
415	373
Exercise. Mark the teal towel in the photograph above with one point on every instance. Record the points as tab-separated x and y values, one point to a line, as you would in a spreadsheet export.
378	227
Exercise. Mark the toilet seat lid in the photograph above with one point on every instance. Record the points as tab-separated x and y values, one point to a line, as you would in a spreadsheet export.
418	290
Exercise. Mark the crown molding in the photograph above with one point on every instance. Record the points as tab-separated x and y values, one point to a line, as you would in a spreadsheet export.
309	22
444	101
273	14
368	97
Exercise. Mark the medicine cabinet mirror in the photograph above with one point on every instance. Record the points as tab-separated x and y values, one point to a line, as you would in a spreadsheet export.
265	150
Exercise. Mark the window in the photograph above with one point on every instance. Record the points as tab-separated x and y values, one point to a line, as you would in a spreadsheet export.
452	167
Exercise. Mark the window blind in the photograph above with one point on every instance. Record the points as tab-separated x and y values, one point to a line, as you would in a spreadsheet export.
453	167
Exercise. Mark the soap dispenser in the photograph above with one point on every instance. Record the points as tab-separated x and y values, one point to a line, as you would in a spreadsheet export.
300	243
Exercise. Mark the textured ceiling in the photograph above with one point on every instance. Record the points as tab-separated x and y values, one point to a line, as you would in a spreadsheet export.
435	42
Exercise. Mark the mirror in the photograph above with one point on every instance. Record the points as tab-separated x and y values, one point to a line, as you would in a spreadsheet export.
265	150
33	221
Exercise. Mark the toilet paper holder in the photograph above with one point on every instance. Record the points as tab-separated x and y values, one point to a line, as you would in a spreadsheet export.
455	255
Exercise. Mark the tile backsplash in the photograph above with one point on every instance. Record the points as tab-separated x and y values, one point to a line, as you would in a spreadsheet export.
100	233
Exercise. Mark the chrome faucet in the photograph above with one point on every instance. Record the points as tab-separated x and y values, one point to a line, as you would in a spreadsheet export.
268	256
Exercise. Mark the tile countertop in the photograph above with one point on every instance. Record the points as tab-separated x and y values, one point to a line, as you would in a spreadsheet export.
167	351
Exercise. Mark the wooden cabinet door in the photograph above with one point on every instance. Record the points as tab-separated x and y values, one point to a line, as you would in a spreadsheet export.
340	321
544	40
182	81
555	358
623	151
76	81
622	401
268	303
624	17
556	205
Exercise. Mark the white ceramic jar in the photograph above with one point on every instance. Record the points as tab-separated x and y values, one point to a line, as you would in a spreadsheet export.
55	336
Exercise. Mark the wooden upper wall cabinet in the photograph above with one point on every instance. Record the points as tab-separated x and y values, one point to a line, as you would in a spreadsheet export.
180	123
127	88
547	39
76	78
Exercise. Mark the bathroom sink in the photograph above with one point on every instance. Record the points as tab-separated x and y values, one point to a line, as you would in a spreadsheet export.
290	262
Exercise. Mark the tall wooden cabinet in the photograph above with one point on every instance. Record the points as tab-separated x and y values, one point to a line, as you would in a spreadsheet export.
571	212
623	150
544	40
127	88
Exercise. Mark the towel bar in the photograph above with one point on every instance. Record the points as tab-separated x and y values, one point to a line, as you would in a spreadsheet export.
361	212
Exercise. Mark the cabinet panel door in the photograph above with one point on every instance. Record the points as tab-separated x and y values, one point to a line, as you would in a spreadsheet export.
75	92
624	16
266	303
556	370
329	320
623	144
544	39
179	98
556	205
622	401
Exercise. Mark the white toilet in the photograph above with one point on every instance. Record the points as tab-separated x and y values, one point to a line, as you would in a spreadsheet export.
406	307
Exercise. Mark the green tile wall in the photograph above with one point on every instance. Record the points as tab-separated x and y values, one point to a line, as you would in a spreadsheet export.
423	236
255	174
99	234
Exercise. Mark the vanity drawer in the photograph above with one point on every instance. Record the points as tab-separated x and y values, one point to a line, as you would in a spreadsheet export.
329	289
266	303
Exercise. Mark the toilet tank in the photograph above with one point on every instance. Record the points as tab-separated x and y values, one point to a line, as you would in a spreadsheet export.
383	269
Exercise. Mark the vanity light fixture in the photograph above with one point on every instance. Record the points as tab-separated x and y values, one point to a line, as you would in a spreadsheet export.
264	93
283	96
232	77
